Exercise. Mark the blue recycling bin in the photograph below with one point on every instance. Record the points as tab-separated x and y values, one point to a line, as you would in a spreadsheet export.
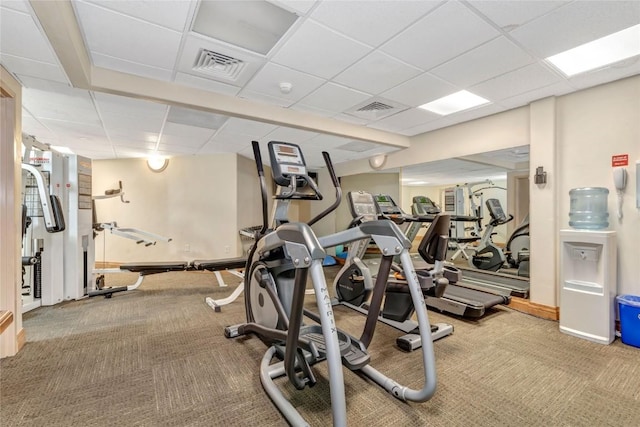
629	306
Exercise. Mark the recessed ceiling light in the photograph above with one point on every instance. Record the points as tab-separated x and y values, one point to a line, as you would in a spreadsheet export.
455	102
253	25
599	53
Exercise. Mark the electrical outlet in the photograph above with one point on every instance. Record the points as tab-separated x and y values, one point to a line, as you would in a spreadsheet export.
187	247
227	249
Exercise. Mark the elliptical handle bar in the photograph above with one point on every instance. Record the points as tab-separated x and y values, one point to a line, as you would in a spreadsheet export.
336	184
263	187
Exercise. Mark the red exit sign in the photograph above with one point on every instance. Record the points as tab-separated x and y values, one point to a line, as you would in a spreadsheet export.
620	160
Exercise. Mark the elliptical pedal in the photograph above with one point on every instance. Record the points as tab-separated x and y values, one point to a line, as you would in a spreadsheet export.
353	355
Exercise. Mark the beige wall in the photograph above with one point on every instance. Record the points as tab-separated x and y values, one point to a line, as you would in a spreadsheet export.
199	202
12	338
596	124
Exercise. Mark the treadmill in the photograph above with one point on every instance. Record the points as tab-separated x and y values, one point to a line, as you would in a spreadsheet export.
495	282
458	298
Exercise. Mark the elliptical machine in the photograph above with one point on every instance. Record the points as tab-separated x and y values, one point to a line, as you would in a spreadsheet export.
488	256
277	269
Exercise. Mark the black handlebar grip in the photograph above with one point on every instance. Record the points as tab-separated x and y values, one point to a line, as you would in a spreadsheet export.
256	153
332	172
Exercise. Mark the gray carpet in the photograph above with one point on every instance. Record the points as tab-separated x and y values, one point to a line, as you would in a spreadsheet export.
157	356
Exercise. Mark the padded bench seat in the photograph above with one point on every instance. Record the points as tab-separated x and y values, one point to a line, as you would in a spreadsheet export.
219	264
147	268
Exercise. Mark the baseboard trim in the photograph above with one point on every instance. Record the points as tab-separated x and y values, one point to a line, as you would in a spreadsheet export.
538	310
21	338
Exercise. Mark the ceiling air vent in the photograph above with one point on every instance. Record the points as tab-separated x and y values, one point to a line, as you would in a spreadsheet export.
375	106
375	109
218	65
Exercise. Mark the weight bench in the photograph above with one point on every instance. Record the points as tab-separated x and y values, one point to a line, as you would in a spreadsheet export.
143	269
228	264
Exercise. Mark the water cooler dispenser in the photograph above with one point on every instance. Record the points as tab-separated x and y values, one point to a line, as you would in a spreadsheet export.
588	269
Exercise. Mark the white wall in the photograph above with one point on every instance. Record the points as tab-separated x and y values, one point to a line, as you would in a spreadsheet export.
594	125
194	201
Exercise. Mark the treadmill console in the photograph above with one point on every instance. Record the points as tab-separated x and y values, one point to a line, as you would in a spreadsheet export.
424	206
495	210
386	205
361	204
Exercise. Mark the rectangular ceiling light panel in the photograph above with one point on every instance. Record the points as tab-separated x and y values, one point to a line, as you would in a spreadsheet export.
599	53
455	102
253	25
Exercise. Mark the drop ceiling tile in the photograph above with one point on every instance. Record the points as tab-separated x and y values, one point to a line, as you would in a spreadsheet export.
576	23
75	132
267	82
122	123
176	149
188	136
19	5
317	50
197	118
234	140
472	114
492	59
248	127
125	105
376	73
132	153
555	89
21	37
166	13
133	143
300	6
333	97
30	68
206	84
420	90
617	71
122	136
297	136
220	148
46	85
403	120
129	38
443	34
124	66
356	19
31	126
523	80
75	105
325	142
511	14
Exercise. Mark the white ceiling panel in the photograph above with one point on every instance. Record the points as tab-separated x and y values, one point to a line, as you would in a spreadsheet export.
474	113
356	19
21	37
511	14
333	97
74	132
119	64
120	136
31	68
19	5
420	90
31	126
297	136
248	127
523	80
443	34
621	70
206	84
493	58
299	6
576	23
404	120
128	38
166	13
526	98
376	73
267	81
74	106
187	136
327	142
178	149
117	104
325	52
233	140
133	143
